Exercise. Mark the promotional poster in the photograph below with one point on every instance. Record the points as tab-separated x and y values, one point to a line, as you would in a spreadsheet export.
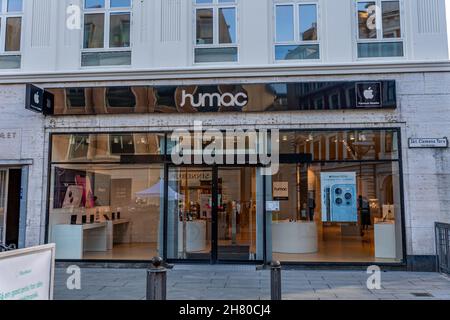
339	199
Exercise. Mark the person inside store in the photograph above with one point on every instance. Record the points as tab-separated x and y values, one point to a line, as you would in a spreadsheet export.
364	213
311	208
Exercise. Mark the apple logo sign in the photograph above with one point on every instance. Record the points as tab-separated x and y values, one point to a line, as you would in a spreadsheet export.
368	93
36	98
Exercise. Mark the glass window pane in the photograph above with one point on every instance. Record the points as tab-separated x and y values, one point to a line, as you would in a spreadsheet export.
285	23
391	19
120	3
380	49
94	29
297	52
119	58
123	205
15	5
104	147
13	34
205	29
94	4
119	30
10	62
227	25
355	207
367	20
308	22
216	55
203	1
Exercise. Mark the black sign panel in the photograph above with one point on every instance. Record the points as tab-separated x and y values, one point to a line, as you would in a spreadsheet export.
34	98
369	94
219	98
48	103
39	100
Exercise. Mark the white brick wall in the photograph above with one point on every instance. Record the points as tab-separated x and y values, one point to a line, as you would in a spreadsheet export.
424	111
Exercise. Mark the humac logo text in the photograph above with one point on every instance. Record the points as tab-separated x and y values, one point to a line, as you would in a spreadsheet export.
203	100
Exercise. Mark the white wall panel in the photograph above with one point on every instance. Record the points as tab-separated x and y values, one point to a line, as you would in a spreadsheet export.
429	35
39	46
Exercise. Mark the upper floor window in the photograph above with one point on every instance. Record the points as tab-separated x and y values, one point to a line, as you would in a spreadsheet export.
380	31
107	33
216	31
296	31
11	12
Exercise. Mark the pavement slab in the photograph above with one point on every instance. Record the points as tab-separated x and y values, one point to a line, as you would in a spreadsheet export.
235	282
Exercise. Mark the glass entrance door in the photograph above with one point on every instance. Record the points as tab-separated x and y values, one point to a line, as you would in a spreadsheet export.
212	214
236	214
3	203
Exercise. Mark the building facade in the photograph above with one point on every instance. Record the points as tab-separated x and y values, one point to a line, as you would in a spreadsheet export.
352	98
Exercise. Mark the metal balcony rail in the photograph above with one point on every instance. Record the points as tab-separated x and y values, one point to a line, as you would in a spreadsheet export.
443	247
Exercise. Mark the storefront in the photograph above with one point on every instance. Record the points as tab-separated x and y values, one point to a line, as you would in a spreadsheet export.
13	188
334	197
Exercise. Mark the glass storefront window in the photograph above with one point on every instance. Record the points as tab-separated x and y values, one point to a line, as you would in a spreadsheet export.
344	206
335	198
106	211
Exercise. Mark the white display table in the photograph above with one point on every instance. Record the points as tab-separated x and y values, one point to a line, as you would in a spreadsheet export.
385	240
195	236
294	237
72	240
111	225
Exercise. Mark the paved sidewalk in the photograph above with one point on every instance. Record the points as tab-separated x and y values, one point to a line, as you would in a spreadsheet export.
193	282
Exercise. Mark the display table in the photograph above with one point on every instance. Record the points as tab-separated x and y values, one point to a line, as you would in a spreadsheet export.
72	240
294	237
195	236
113	224
385	240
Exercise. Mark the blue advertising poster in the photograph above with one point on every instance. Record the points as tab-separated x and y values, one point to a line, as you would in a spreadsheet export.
339	199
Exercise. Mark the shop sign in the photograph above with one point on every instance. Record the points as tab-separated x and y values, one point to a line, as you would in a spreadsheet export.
428	143
10	144
39	100
27	274
228	97
281	191
368	94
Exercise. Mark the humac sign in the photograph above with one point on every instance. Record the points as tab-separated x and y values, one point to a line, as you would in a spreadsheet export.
226	97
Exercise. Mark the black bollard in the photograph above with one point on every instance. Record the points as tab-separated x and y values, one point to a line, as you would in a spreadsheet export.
157	280
275	280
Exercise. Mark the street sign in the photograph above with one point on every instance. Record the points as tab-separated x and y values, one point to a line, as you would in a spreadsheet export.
428	143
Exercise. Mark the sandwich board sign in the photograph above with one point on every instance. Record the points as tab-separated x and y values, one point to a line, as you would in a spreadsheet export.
27	274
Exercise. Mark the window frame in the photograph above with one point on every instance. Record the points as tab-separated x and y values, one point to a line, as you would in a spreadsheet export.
4	15
380	38
296	41
215	6
107	11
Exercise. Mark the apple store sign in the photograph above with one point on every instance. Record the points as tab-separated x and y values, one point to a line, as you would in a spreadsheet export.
39	100
369	94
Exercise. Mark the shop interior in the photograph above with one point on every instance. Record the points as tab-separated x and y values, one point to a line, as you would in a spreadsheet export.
345	205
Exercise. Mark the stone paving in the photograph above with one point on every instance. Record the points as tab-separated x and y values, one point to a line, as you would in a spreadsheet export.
198	282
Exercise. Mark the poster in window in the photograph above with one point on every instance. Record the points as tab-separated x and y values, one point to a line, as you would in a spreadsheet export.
339	199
